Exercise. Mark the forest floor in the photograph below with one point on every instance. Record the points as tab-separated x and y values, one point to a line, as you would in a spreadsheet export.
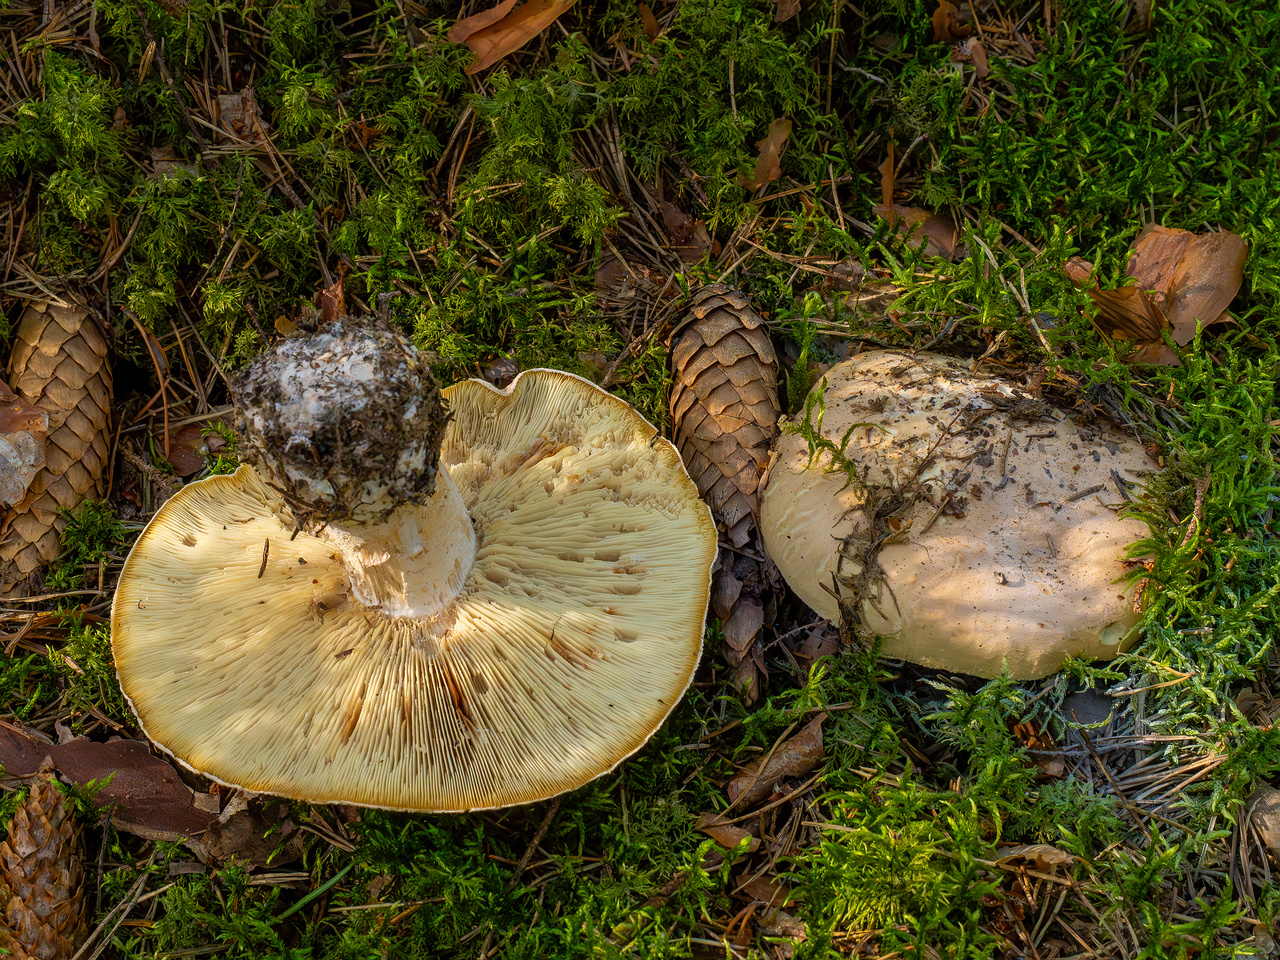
197	171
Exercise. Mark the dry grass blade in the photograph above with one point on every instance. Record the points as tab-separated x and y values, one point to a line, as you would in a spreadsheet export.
60	365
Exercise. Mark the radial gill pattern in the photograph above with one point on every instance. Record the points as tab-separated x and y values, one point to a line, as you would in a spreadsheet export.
575	634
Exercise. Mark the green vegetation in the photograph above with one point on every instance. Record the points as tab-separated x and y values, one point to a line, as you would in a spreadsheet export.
475	214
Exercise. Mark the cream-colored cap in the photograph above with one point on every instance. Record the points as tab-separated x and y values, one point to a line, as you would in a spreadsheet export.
979	526
575	632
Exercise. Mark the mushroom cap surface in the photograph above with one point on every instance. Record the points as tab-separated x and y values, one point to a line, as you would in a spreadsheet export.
575	633
965	523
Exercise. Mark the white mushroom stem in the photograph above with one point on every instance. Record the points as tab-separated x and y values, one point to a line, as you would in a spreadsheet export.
415	563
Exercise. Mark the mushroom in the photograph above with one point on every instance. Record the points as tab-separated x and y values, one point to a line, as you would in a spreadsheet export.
348	623
969	525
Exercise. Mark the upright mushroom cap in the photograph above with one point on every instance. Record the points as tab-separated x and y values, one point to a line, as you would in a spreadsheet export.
574	632
966	524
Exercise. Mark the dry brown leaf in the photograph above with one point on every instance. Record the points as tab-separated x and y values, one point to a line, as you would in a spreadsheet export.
251	836
728	835
794	758
1042	749
650	22
1264	817
1207	279
145	795
1154	256
1160	354
779	923
240	117
947	25
1182	279
819	643
501	371
464	28
886	179
766	890
678	223
937	233
495	33
1044	856
786	10
769	166
917	225
972	51
1078	271
188	450
1128	313
1191	277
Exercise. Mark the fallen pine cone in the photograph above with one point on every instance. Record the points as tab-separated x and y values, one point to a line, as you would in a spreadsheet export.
60	365
724	412
724	405
41	878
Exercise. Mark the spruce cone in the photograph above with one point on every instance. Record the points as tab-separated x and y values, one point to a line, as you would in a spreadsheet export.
41	886
724	405
724	411
59	364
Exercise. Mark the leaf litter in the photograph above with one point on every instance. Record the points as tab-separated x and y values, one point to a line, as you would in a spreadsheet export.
1183	281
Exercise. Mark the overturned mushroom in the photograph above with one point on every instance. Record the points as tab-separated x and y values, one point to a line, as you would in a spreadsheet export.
354	625
965	523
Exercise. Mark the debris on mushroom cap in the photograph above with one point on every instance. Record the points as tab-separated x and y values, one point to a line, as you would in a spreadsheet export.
574	632
964	522
345	423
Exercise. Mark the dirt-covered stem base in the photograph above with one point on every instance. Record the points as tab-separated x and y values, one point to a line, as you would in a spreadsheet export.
347	424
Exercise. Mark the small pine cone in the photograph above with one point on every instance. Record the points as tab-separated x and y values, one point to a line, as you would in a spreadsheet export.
41	879
724	404
60	365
